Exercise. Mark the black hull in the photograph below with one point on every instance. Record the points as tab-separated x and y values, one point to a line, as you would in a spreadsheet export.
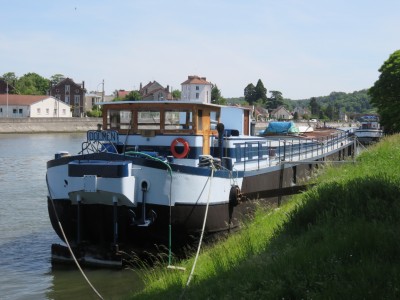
95	226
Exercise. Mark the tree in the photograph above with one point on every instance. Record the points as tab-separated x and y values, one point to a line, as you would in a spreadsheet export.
216	97
56	78
10	79
329	111
215	94
32	84
260	92
314	107
276	99
176	94
249	93
385	93
133	95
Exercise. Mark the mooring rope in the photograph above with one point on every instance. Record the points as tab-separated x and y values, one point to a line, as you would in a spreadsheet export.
69	247
202	232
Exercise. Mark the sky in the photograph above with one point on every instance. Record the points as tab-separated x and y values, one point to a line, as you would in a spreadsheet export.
302	48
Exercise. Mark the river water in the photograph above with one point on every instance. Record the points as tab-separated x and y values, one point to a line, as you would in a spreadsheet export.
26	234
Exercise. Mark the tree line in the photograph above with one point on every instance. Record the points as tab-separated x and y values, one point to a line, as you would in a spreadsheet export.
30	83
383	97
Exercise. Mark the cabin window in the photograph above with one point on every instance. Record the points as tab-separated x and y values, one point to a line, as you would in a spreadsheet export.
149	119
119	119
200	119
176	120
214	116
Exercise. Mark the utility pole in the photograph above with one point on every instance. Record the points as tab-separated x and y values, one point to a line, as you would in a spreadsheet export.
102	92
7	97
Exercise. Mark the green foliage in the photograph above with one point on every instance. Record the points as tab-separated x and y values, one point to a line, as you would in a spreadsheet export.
133	95
314	106
176	94
385	94
338	240
94	113
32	84
275	100
9	77
56	78
357	102
249	93
260	92
255	94
216	97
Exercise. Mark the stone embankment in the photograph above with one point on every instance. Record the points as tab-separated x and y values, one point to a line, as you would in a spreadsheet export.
48	125
43	125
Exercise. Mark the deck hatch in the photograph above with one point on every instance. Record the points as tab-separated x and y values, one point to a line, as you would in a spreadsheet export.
90	183
107	169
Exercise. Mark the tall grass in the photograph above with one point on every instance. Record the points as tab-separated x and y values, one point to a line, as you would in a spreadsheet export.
340	239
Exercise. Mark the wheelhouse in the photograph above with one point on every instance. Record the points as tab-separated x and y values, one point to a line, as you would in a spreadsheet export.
172	119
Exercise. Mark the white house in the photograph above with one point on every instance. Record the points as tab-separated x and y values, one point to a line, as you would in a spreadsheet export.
41	106
197	89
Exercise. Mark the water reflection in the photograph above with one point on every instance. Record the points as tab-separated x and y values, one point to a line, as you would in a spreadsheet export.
68	283
26	234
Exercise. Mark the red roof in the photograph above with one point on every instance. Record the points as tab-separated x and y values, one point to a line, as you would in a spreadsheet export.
21	99
196	80
122	93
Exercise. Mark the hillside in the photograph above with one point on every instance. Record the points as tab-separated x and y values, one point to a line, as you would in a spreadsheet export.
357	102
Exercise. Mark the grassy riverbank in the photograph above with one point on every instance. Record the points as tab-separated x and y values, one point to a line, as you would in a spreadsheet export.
338	240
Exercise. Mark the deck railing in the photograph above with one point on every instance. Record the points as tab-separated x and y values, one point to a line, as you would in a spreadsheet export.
274	152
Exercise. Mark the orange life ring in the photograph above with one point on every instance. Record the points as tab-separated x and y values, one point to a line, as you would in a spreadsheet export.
186	147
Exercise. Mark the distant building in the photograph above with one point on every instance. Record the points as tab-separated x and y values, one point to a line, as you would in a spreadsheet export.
121	94
196	88
281	113
155	91
72	94
301	111
38	106
260	114
343	116
92	99
96	98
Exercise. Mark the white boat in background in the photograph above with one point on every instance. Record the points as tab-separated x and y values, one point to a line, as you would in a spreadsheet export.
157	169
369	131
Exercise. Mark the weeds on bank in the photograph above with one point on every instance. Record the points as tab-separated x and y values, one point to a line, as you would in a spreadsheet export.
339	239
